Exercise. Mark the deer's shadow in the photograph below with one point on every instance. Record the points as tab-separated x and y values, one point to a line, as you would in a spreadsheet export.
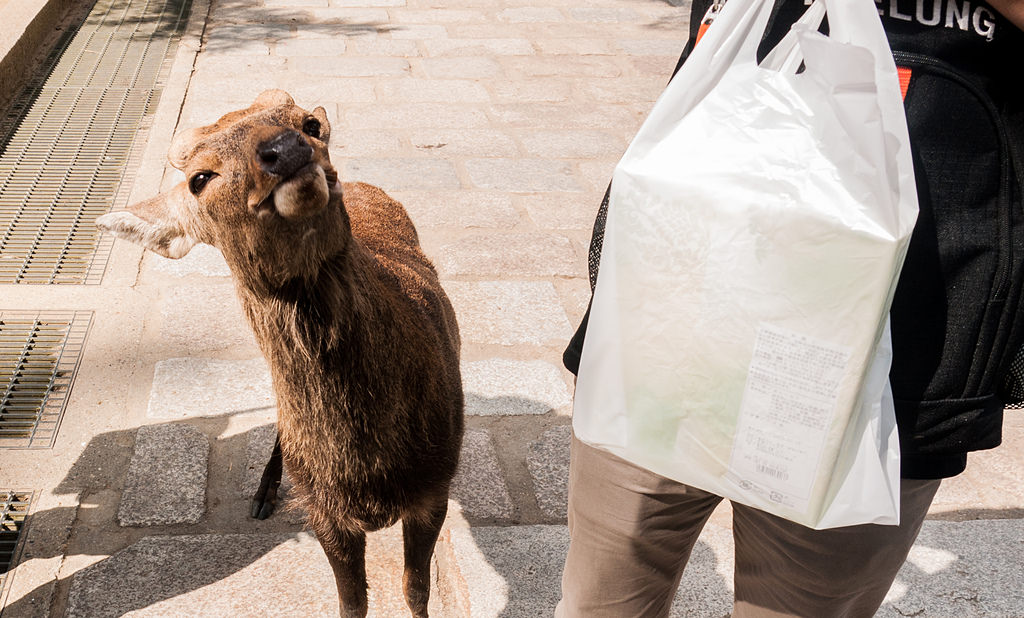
146	566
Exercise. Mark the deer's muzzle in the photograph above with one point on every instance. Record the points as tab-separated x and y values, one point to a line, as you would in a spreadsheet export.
284	154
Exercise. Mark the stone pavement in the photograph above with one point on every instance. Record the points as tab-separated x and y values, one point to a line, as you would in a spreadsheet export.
497	124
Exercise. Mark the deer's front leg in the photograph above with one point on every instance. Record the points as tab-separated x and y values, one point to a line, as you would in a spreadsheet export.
346	552
265	498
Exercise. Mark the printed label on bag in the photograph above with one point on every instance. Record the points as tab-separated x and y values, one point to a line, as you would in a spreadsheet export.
787	409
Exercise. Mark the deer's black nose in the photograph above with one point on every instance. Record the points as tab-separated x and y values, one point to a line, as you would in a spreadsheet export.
284	154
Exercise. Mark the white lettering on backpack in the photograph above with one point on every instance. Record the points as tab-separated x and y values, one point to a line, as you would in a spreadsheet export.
948	13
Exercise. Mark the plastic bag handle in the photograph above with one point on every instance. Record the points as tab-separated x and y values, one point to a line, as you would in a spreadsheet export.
751	27
786	56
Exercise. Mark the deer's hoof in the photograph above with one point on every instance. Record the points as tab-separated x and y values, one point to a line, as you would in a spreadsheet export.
261	510
263	503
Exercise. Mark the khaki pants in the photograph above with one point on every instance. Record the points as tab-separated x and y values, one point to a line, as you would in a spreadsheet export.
632	532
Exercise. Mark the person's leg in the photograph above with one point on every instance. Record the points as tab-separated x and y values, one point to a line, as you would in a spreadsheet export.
631	533
785	569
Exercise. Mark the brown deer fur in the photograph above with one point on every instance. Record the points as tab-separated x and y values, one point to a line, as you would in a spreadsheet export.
359	336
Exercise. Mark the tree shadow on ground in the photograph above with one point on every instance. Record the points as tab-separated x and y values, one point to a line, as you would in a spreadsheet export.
276	24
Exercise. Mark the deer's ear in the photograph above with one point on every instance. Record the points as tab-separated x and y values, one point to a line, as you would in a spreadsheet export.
153	224
273	98
325	125
182	145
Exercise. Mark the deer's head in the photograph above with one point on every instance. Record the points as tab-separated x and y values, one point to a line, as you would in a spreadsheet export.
259	185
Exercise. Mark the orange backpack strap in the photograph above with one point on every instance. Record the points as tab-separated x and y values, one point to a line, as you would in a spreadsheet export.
709	17
905	75
701	30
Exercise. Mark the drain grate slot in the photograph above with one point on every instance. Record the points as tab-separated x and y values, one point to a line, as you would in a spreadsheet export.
39	357
65	147
13	510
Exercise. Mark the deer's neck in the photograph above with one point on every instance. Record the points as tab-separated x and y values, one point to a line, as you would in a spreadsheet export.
312	316
322	340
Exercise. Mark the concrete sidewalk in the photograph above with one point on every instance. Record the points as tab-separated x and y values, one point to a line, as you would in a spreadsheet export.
497	124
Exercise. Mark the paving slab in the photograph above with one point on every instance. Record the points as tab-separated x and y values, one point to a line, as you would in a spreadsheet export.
463	142
477	46
575	144
509	312
539	90
462	67
204	318
604	15
462	209
503	387
403	174
512	255
384	47
562	66
561	211
597	172
650	47
575	294
419	32
636	89
522	175
234	575
166	481
203	260
368	19
193	387
576	47
323	46
348	67
224	64
479	486
573	115
417	90
436	15
508	571
548	462
370	143
414	116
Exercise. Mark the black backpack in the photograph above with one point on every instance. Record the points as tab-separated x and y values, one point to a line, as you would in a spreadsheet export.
957	313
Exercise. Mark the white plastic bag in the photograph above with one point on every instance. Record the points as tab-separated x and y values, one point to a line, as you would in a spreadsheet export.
738	338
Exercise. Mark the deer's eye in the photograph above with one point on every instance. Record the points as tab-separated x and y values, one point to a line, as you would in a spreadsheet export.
311	127
198	181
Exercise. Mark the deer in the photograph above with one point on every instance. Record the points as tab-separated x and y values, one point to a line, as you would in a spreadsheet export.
361	341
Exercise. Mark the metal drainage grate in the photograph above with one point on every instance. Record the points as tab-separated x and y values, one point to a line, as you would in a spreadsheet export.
65	147
39	356
13	509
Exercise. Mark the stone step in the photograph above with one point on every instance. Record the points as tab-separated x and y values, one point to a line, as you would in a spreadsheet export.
516	572
235	575
167	478
965	569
